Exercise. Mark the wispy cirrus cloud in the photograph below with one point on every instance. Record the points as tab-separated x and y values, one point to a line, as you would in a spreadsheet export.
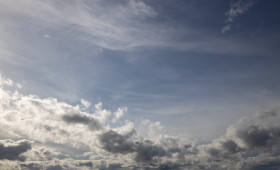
116	29
125	26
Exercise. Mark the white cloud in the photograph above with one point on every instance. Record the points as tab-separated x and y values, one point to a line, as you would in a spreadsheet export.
101	114
6	82
85	103
119	113
126	129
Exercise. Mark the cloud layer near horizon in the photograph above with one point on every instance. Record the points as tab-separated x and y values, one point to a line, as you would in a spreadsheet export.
47	134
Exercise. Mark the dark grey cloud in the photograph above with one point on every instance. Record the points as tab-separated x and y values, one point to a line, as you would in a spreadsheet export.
14	150
231	146
257	136
269	113
92	123
87	164
167	166
214	152
145	150
254	137
252	143
31	166
114	166
274	165
116	143
54	167
261	132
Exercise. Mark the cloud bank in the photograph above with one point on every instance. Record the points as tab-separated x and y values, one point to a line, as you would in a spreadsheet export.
48	134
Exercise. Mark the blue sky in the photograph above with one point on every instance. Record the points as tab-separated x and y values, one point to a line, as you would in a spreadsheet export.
196	67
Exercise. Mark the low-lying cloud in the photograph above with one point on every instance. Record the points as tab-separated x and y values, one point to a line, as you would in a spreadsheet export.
47	134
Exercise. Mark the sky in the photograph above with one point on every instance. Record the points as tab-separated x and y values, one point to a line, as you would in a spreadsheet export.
139	84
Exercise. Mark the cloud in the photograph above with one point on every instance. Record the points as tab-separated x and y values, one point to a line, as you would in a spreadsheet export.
12	150
147	150
115	143
118	114
125	26
87	164
43	153
102	115
231	146
116	29
5	82
255	137
85	103
260	131
144	150
46	119
226	28
142	9
67	137
258	136
237	8
82	119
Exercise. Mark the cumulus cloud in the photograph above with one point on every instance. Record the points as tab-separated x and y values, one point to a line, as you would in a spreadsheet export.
55	128
260	132
237	8
255	137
